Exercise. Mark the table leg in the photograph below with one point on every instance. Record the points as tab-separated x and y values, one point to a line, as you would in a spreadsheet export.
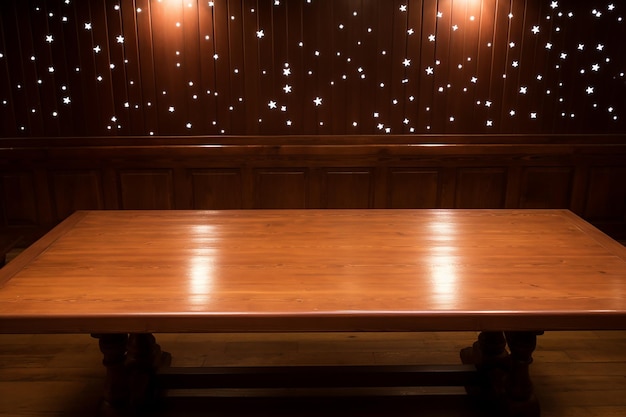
131	362
143	359
521	399
504	377
113	348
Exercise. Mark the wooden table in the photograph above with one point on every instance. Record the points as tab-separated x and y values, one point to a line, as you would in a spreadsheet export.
509	274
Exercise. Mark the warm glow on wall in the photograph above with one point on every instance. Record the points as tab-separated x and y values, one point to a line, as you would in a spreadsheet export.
312	67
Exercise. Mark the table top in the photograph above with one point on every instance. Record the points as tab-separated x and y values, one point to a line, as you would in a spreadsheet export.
316	270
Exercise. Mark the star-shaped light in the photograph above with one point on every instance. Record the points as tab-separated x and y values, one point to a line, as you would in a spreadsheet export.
97	49
49	38
171	109
455	27
595	67
431	38
523	90
535	30
548	45
489	123
488	103
439	15
406	121
430	70
260	33
120	39
474	80
287	88
271	104
380	126
512	113
406	62
563	55
554	4
87	26
66	100
581	46
403	8
286	72
600	47
317	101
410	31
515	64
589	90
533	115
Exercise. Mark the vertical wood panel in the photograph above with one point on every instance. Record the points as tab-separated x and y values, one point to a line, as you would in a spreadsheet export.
146	190
546	187
413	188
76	190
480	188
280	189
217	189
606	199
20	199
347	188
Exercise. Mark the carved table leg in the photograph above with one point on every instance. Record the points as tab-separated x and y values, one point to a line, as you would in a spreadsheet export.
113	347
521	400
143	359
504	381
490	357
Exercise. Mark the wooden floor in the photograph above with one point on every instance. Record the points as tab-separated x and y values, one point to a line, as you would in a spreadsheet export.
576	374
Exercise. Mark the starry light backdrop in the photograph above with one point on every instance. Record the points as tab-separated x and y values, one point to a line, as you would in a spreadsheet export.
307	67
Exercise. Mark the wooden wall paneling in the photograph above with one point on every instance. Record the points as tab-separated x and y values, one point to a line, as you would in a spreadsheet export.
19	198
146	189
67	51
413	188
413	72
606	197
398	53
110	188
270	77
498	63
348	188
221	44
217	189
295	99
324	53
481	187
236	50
384	65
281	188
193	118
251	68
51	52
442	119
428	56
282	65
353	59
118	66
532	49
208	88
546	187
338	93
480	86
88	93
105	83
132	65
615	68
75	190
167	41
512	97
7	113
456	99
23	74
362	73
147	96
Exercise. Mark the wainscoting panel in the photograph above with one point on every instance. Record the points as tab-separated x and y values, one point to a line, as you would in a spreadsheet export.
43	180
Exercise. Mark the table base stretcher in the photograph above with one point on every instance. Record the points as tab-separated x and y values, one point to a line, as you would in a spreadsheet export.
139	374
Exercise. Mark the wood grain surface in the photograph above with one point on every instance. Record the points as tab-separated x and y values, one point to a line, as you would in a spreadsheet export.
316	270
